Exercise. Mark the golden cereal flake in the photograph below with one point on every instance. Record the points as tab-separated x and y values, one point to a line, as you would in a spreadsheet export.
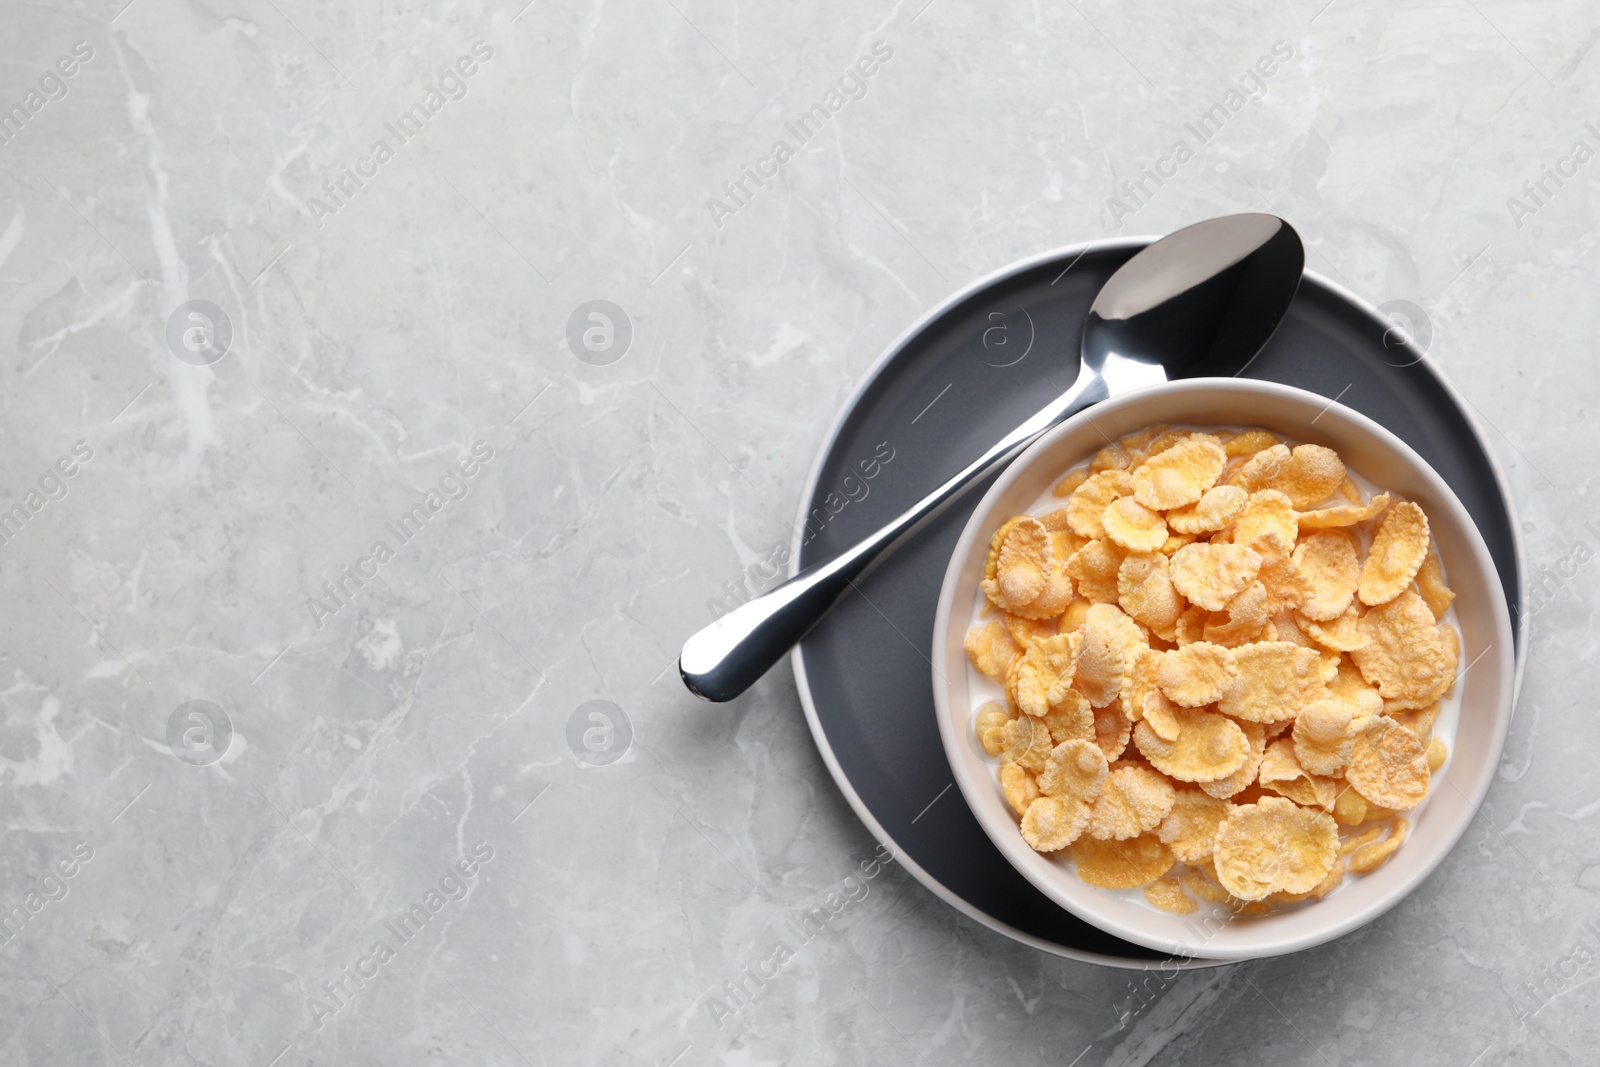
1324	736
1267	522
1430	583
1219	506
1406	657
1340	635
1210	575
1070	719
991	649
1343	514
1312	474
1196	674
1166	893
1261	468
1398	548
1023	565
1090	500
1017	783
1179	475
1027	742
1026	631
1131	525
1145	591
1249	443
1112	730
1190	828
988	721
1208	747
1111	457
1332	568
1066	486
1095	567
1369	857
1244	621
1132	801
1106	653
1074	768
1051	823
1388	766
1275	680
1115	864
1045	673
1191	625
1281	773
1274	845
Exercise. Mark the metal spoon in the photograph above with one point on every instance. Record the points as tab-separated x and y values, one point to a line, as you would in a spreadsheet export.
1200	302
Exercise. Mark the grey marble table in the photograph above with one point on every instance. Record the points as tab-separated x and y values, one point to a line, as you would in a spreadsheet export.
332	500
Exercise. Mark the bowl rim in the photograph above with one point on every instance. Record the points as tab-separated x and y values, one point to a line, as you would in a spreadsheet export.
1048	877
890	352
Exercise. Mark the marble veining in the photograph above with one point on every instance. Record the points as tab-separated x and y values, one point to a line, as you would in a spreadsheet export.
390	388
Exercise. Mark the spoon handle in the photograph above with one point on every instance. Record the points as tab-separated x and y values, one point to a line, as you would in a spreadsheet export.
726	658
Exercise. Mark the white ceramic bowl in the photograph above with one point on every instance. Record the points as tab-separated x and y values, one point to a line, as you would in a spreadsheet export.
1485	692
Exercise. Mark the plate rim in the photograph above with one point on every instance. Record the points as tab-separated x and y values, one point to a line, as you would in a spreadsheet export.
813	475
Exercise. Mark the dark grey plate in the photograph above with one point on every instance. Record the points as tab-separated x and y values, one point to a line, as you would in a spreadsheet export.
953	384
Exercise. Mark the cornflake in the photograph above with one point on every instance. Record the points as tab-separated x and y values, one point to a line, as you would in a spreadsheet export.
1181	474
1205	665
1398	549
1209	575
1274	845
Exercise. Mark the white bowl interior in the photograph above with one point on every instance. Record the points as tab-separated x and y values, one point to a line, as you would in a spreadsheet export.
1486	692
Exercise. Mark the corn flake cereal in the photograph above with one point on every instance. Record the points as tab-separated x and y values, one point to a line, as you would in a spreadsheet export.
1275	680
1267	521
1248	443
1190	828
1181	474
1406	656
1090	500
1070	719
988	722
1218	507
1207	746
1027	742
1131	525
1112	730
1133	800
1398	549
1045	673
1370	856
1104	656
1312	474
1052	823
1274	845
1209	575
1095	567
1145	591
1388	766
1205	665
1339	635
1331	566
1019	787
1117	864
1343	514
1074	768
992	649
1167	894
1196	674
1430	583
